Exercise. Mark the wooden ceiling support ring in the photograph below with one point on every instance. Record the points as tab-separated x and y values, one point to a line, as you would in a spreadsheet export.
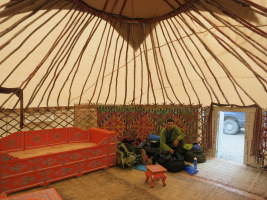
119	17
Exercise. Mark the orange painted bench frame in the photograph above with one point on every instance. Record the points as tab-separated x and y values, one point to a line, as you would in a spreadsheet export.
46	194
22	165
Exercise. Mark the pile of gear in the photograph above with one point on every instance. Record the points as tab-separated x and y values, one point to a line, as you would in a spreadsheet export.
133	152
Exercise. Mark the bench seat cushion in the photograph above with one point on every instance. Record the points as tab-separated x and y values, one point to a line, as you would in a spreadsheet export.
50	149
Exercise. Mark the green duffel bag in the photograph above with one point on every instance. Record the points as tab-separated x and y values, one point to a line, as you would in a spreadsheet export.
199	154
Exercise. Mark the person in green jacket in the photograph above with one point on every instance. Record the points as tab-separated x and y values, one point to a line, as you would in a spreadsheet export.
171	138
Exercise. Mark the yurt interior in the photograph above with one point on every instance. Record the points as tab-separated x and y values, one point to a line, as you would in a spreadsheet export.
133	99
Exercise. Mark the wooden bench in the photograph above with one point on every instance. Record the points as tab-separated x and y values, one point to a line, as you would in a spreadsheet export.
39	157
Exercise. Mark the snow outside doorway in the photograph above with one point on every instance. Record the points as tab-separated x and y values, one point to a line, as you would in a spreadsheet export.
230	143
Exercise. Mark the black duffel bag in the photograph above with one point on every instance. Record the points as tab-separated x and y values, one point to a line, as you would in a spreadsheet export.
191	154
172	163
195	152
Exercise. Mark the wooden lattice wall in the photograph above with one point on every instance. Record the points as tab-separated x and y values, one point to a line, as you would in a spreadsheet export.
263	149
86	116
35	119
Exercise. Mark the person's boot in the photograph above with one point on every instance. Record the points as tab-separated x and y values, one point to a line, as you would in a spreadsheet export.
143	157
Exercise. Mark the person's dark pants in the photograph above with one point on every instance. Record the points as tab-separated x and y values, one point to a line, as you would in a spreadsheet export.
179	149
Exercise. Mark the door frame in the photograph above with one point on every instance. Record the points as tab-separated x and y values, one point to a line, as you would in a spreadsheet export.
250	116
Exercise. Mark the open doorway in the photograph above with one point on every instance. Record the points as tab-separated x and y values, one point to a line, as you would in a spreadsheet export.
231	135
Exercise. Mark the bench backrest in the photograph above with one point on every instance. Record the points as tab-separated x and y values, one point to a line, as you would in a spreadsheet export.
39	138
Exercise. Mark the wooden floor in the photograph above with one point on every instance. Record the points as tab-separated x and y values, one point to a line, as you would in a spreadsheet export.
216	179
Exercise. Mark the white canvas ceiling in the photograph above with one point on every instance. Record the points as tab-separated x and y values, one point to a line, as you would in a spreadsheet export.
60	54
